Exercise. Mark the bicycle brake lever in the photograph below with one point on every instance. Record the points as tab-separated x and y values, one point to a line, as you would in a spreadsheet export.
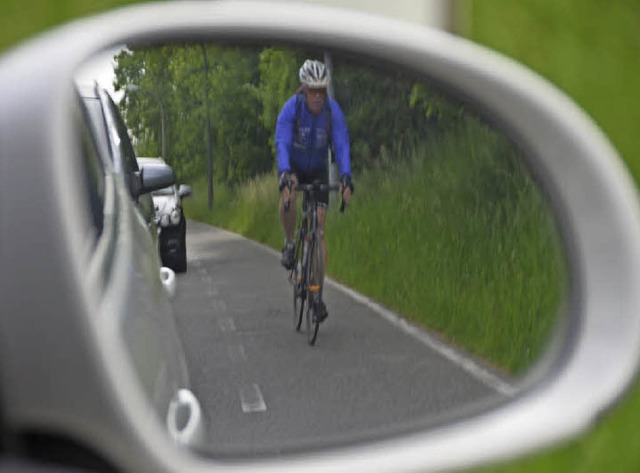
287	204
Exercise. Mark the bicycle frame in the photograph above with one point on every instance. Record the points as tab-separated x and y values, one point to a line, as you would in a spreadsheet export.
307	268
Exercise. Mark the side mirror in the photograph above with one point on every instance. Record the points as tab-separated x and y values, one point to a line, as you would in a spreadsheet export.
594	357
185	190
155	177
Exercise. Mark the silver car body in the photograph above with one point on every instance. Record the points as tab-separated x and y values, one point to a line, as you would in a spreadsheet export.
149	327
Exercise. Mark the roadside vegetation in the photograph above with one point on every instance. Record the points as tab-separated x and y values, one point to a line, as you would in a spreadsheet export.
455	237
590	49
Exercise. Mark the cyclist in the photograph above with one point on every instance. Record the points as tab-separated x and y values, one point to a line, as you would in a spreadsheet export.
306	125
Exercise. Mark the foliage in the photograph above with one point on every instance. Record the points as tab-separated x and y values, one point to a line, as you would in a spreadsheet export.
244	88
188	82
278	81
376	103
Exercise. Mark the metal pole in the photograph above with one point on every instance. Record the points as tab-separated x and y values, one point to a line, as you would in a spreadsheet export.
164	151
157	97
333	167
208	125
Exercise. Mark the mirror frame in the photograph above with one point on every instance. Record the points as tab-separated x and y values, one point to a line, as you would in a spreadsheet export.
594	199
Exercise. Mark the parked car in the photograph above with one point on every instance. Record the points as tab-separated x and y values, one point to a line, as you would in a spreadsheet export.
170	219
146	317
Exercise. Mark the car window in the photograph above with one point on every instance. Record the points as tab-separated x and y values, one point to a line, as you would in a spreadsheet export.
98	126
128	154
93	171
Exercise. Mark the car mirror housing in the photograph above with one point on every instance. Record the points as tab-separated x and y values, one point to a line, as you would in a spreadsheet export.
155	177
593	197
185	190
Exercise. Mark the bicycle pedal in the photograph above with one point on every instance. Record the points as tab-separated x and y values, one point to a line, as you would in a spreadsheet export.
315	288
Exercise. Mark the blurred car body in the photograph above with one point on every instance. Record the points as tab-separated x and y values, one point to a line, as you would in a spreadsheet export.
169	214
148	324
113	142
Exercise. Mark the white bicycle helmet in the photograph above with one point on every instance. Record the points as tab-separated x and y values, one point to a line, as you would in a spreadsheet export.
314	74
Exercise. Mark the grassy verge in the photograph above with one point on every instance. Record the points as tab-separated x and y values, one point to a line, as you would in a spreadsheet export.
455	237
590	49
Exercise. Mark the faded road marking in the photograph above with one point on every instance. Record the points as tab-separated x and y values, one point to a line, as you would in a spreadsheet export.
252	400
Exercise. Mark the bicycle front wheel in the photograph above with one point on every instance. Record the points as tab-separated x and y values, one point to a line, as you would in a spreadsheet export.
298	296
314	288
298	281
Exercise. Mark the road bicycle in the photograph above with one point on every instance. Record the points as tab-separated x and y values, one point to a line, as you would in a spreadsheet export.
306	274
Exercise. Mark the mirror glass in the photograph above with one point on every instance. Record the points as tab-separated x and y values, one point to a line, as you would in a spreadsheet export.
445	274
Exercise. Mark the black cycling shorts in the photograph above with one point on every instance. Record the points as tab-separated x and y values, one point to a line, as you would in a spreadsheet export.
322	175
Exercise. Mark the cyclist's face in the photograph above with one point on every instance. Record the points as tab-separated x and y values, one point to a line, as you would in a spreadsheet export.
315	99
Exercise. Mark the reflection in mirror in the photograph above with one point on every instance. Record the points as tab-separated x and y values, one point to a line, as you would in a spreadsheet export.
453	260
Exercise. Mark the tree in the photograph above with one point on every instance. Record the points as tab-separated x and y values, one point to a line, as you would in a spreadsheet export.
387	112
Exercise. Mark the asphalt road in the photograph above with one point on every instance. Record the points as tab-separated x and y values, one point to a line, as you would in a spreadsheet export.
263	389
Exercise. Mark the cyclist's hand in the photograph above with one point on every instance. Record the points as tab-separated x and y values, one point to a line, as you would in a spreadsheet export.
286	194
285	183
346	188
346	194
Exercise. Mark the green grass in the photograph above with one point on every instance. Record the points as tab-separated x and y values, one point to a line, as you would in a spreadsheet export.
455	237
250	209
591	50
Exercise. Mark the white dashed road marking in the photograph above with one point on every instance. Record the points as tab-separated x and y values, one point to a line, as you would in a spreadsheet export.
252	400
219	306
226	325
464	362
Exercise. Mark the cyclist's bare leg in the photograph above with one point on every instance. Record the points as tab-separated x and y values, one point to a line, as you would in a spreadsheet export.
288	218
322	212
320	272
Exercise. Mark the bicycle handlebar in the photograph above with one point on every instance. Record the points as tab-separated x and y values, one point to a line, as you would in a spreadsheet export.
317	187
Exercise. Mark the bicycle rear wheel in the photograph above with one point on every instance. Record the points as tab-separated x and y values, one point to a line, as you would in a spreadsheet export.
314	288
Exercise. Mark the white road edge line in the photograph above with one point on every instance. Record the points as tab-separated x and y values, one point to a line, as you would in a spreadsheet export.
464	362
459	359
252	400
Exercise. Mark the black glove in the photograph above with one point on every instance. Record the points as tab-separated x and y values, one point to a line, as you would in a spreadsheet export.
346	181
285	181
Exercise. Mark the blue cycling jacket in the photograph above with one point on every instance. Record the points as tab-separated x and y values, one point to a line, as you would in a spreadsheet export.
306	153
